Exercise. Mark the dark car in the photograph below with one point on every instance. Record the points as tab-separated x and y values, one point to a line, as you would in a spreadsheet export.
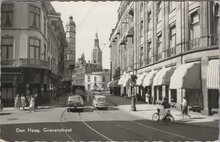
75	102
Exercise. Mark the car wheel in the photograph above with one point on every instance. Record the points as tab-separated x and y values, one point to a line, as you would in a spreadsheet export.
68	110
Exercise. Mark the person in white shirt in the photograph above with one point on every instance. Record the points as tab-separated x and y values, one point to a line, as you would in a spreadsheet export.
184	108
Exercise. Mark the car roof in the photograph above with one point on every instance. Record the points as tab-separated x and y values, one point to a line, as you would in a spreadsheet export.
99	96
74	96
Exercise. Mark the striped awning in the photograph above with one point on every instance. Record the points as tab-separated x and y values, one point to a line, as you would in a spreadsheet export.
148	80
186	76
213	74
121	80
141	78
127	81
163	76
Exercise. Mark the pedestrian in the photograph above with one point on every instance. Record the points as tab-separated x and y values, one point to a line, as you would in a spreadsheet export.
32	103
36	100
184	108
17	102
147	98
23	101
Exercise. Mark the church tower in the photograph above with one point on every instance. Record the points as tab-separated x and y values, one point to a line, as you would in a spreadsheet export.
96	52
70	50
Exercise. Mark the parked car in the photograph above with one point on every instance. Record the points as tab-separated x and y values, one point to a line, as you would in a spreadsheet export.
75	102
99	101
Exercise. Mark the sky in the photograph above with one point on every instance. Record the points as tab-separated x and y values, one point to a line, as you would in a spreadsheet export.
90	17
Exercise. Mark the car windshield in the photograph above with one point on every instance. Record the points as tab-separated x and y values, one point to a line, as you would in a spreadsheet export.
101	99
75	98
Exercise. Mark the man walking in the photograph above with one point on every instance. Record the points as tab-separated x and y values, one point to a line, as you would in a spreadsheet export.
185	108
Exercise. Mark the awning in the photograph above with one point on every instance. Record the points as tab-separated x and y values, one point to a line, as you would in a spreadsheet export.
213	74
127	81
163	76
141	78
148	80
186	76
121	80
108	85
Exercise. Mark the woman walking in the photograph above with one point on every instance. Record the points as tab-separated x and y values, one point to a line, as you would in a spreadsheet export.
17	102
23	103
32	103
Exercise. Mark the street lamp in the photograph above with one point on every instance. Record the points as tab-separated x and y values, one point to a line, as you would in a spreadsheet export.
133	98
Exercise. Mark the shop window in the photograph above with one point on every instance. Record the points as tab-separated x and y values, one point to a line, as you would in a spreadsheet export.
173	95
160	93
213	98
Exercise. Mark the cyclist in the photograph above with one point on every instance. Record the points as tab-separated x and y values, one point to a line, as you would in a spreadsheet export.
166	107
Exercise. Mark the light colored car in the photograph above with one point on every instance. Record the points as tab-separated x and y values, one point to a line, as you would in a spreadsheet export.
99	101
75	102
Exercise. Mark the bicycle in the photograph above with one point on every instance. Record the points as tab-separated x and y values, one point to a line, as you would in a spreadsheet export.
168	118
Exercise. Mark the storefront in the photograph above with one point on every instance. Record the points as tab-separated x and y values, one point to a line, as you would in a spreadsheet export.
186	80
213	85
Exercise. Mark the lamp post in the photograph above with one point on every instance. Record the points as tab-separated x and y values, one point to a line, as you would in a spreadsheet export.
133	96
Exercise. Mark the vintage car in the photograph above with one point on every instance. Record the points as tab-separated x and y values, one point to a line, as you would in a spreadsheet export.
75	102
99	101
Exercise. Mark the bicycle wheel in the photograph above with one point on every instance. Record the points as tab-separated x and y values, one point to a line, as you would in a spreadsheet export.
155	117
170	119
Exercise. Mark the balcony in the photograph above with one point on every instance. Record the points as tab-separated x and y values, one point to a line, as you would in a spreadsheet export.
34	63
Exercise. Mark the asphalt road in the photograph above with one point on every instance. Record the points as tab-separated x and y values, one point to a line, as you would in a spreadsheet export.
102	125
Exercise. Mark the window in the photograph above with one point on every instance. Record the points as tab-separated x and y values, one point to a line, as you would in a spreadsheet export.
215	36
69	55
88	78
141	29
34	17
45	25
7	11
141	56
103	79
194	31
172	6
45	51
141	7
7	48
172	36
173	95
195	26
34	48
159	47
95	79
149	52
149	25
159	10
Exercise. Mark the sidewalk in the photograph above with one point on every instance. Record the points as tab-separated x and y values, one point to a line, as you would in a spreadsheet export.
147	110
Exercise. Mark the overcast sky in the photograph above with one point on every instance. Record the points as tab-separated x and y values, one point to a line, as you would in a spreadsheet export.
90	17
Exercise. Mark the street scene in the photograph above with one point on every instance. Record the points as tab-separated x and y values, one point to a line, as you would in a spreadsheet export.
117	123
109	71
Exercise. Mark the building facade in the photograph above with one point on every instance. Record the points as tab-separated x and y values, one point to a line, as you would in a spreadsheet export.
171	47
69	53
31	50
97	80
91	75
